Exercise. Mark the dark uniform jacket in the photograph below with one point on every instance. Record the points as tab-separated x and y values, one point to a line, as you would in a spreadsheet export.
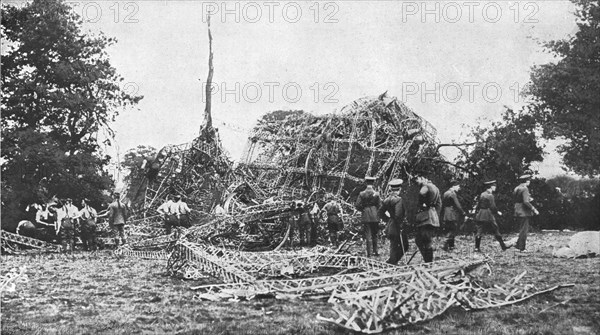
333	211
486	208
397	210
368	202
523	207
452	207
430	205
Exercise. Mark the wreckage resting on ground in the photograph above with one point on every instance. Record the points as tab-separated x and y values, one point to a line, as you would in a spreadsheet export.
294	156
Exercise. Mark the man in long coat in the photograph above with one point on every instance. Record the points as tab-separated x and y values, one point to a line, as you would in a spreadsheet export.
428	217
524	210
452	212
369	202
484	219
395	230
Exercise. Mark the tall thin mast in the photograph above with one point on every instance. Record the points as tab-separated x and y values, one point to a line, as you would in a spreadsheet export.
207	115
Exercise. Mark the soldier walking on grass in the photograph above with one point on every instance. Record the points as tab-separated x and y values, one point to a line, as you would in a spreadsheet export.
524	210
368	203
451	214
427	219
484	219
395	230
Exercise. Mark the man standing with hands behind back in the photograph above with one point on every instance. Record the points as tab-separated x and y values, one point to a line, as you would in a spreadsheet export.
369	202
428	217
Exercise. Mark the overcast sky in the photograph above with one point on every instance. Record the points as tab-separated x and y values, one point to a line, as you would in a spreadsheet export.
451	62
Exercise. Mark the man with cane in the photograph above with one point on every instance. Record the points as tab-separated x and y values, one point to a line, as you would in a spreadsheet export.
395	230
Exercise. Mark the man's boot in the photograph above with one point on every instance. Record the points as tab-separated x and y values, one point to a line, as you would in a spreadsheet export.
477	244
428	255
502	245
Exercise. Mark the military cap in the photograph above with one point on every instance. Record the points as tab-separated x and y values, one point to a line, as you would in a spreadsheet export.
395	183
177	197
370	179
489	182
525	177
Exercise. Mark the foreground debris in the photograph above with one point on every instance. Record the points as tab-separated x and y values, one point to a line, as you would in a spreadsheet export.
422	298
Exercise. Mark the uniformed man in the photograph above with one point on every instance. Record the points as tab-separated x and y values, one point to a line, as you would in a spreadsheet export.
169	212
524	210
484	219
183	211
87	217
304	223
427	219
395	207
334	220
452	212
369	202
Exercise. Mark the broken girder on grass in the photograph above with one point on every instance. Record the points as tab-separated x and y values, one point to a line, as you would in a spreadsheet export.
29	242
374	274
421	298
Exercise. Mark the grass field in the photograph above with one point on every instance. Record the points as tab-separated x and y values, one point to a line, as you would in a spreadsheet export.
100	293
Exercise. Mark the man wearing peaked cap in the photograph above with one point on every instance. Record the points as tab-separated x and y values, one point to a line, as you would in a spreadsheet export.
484	219
524	210
369	202
395	207
452	211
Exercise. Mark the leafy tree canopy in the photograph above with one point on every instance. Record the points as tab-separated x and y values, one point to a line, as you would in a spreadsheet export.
59	92
567	93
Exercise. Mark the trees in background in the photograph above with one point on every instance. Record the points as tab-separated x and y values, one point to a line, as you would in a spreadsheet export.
566	98
59	94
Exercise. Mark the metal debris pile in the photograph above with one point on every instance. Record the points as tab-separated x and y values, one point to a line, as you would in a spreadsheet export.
420	298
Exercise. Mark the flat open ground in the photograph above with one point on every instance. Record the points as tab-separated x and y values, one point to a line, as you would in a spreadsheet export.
100	293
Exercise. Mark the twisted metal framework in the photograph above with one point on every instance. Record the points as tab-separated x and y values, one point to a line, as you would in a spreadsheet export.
420	298
369	137
142	254
373	273
29	242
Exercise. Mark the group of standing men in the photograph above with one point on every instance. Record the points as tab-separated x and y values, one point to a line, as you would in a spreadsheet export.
175	213
430	206
65	218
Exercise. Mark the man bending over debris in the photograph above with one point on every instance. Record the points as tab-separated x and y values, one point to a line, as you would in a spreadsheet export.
484	219
333	211
427	219
395	231
368	203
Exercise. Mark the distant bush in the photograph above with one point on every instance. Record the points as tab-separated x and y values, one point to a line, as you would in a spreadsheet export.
567	203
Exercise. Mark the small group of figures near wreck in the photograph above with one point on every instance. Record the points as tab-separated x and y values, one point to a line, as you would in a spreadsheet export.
63	222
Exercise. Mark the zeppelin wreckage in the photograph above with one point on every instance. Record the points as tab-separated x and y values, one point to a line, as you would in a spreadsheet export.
243	213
